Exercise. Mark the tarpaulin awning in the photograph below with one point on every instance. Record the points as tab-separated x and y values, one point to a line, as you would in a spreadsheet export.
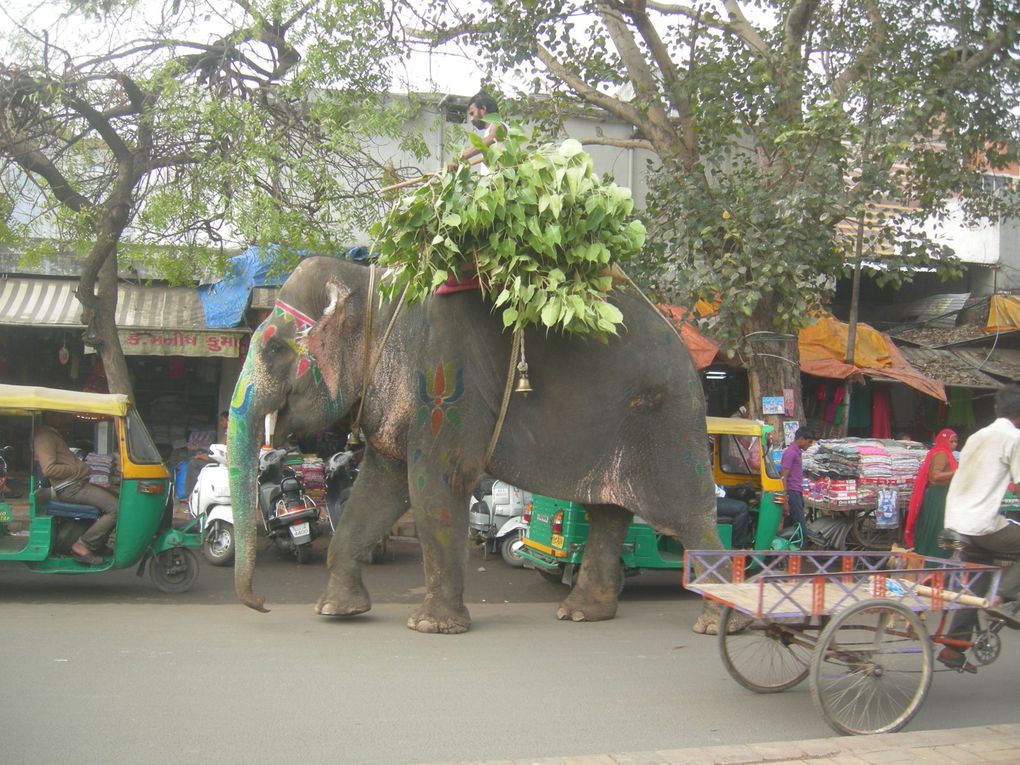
1003	313
702	350
151	320
823	352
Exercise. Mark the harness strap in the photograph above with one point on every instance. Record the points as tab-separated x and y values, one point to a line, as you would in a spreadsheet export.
515	349
369	368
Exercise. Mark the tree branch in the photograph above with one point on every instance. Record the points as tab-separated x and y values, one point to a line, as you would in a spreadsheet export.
620	143
612	105
868	54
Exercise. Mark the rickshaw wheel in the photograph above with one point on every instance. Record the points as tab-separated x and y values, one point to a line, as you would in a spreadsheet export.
872	668
765	656
174	570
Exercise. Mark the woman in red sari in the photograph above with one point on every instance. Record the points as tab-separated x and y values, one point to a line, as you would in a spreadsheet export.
928	502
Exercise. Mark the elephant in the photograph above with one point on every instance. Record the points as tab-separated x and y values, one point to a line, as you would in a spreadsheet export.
617	424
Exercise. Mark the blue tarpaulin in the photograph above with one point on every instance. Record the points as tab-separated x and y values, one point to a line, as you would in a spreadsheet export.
225	301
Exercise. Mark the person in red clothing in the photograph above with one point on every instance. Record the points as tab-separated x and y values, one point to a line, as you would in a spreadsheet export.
925	516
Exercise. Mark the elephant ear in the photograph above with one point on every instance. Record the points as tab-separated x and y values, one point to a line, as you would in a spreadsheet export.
323	342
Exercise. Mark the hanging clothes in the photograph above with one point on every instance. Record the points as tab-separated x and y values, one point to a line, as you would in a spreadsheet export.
860	406
961	408
881	413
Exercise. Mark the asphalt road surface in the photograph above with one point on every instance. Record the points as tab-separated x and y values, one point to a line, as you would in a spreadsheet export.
105	669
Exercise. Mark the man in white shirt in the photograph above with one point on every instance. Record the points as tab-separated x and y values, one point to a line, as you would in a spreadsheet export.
989	462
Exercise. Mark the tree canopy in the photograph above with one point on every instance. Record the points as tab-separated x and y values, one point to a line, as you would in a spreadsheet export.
167	133
774	122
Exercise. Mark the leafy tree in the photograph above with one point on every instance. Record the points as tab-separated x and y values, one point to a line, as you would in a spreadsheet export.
774	122
166	134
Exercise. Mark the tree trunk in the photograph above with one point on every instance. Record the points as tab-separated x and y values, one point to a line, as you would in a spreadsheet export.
773	367
97	293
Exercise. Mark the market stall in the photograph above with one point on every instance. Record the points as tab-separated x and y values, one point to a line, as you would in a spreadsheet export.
857	490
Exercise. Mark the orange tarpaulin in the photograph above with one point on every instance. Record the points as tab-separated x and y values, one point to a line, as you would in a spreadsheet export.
822	348
823	353
702	349
1004	313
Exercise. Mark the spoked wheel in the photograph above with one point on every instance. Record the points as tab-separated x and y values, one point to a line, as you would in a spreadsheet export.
766	656
218	547
872	668
864	530
174	570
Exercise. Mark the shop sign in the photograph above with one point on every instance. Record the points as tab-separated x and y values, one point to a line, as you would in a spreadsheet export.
180	343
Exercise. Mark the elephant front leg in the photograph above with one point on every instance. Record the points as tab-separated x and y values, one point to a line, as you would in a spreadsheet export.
378	499
594	595
441	522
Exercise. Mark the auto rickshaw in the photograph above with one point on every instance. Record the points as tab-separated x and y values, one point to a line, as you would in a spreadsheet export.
37	531
742	463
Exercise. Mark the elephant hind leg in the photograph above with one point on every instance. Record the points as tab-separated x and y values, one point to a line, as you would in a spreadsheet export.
594	595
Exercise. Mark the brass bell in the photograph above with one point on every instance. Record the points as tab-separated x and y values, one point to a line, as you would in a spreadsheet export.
523	386
353	439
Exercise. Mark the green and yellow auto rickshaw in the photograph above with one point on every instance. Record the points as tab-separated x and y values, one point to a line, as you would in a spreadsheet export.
37	530
743	465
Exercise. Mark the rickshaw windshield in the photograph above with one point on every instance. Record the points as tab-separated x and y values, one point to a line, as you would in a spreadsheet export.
140	447
739	455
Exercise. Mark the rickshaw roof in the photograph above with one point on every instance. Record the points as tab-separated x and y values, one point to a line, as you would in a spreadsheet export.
736	426
28	398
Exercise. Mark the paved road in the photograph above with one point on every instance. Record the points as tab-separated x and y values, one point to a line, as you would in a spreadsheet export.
106	670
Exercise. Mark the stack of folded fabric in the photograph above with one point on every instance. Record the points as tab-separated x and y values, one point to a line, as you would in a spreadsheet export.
100	467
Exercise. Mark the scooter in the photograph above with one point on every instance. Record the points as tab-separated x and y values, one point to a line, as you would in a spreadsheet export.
289	516
210	499
497	522
341	472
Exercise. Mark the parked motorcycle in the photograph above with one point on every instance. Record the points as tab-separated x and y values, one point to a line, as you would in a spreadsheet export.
289	516
497	519
211	499
341	472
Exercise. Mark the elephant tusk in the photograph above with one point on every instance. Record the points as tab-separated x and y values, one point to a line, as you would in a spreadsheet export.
270	428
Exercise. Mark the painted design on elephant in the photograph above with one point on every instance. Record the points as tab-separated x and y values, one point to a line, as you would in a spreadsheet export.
241	399
302	321
438	390
418	470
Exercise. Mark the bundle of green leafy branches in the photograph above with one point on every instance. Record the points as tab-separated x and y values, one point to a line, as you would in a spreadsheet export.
540	230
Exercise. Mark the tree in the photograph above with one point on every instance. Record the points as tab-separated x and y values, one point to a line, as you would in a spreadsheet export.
168	134
772	125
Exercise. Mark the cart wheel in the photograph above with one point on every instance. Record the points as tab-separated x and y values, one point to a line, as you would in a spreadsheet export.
865	531
767	656
872	668
174	570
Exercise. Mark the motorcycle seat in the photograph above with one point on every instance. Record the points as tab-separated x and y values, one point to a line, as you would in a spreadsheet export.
71	510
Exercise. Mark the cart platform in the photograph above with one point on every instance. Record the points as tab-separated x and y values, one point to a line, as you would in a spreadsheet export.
803	584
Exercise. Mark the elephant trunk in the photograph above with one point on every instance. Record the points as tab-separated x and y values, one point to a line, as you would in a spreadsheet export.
243	446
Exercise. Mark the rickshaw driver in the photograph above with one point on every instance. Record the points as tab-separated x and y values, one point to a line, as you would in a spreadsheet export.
990	460
69	482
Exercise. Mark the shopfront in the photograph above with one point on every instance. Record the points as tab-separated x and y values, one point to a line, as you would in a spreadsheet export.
182	373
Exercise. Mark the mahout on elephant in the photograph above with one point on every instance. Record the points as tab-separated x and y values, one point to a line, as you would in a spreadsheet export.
617	425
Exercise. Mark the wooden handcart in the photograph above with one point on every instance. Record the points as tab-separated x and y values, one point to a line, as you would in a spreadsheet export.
854	622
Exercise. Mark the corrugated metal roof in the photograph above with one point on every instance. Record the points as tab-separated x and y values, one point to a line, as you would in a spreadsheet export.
51	302
949	368
1003	362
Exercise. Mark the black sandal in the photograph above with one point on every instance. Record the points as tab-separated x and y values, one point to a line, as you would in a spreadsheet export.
956	661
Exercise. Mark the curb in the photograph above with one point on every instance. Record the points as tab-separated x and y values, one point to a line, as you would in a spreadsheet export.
957	746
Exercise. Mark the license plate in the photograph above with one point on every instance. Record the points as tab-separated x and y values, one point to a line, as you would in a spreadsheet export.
557	541
302	529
